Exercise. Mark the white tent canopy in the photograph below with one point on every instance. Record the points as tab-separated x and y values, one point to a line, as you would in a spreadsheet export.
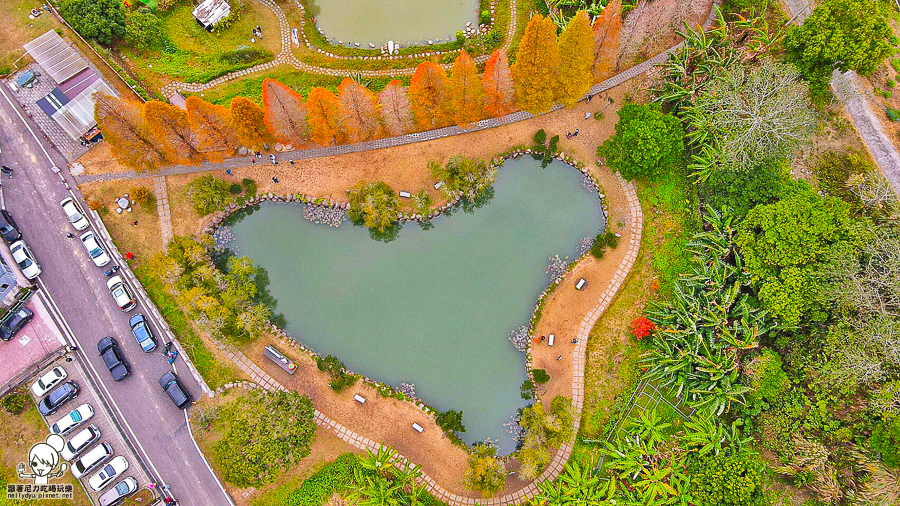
77	116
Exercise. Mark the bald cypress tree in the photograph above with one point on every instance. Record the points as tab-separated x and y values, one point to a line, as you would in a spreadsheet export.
576	51
534	72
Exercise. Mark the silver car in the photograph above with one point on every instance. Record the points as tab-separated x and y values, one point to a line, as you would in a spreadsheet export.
87	463
122	490
80	442
95	251
74	214
23	257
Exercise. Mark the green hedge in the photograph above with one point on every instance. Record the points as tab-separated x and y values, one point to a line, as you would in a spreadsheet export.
333	477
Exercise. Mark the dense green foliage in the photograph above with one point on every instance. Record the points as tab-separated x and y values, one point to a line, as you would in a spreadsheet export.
540	376
340	378
719	480
485	473
784	244
841	34
885	440
451	421
468	176
143	30
743	190
544	428
101	20
208	193
374	205
227	302
15	402
265	434
648	143
603	240
333	477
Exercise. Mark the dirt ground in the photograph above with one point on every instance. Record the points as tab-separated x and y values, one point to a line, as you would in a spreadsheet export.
100	160
325	448
143	239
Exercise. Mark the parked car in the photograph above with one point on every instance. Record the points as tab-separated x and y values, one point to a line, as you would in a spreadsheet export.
175	390
108	473
59	396
74	214
112	357
122	490
8	228
90	460
14	323
96	252
121	293
79	442
49	380
142	332
75	418
22	255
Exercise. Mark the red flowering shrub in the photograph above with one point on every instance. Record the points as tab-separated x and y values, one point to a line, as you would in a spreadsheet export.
642	327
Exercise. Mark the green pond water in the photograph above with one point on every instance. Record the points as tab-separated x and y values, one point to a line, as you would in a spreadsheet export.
403	21
432	307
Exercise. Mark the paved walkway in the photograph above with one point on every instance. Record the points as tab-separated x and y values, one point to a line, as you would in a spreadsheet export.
286	57
162	207
579	355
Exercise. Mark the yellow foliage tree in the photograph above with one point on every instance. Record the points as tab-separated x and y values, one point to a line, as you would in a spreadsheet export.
249	122
324	117
466	91
576	50
212	126
428	96
534	72
169	125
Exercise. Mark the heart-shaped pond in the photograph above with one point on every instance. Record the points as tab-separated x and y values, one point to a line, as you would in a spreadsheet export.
432	307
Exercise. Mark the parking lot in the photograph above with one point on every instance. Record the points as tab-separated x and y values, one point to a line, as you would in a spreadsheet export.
32	345
109	431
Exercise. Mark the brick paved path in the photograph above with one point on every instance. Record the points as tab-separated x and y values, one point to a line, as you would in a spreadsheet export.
579	355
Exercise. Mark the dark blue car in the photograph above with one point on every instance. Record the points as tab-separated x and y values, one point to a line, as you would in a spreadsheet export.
140	327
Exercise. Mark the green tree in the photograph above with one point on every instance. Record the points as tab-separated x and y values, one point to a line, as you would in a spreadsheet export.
544	428
373	204
842	34
742	190
467	175
783	245
208	193
101	20
451	421
885	439
719	480
485	473
143	29
647	142
265	433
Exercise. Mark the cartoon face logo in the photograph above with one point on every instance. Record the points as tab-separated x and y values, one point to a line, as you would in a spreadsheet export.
43	459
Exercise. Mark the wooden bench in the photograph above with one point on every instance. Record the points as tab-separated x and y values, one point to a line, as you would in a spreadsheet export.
550	339
580	284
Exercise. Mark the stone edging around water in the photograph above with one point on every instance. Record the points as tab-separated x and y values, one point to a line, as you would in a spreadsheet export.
579	356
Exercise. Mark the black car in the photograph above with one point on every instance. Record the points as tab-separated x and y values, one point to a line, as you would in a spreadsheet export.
8	228
14	323
175	390
112	357
141	330
59	396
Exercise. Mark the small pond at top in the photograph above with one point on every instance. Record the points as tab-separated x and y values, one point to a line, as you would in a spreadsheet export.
433	307
403	21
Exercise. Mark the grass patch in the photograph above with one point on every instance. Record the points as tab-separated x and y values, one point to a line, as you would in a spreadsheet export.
215	373
17	29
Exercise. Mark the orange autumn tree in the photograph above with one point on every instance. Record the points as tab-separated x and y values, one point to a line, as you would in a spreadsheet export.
359	110
285	112
428	96
576	49
212	126
607	28
534	72
499	92
249	122
396	112
123	128
169	125
466	91
323	116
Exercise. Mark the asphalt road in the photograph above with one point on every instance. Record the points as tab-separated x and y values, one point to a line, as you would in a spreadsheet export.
79	291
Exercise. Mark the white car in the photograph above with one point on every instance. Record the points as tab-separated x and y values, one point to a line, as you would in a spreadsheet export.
108	473
49	380
71	421
120	293
22	255
79	442
74	214
96	252
90	460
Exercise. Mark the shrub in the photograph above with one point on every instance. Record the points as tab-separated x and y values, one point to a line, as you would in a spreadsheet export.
249	186
101	20
143	30
540	137
540	376
726	481
601	242
95	205
265	434
15	402
209	193
451	421
641	327
885	439
648	143
141	195
469	176
244	56
333	477
527	389
485	17
485	473
340	378
766	378
374	205
742	190
235	189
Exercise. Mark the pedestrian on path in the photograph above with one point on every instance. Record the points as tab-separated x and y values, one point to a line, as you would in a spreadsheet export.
272	159
229	172
252	160
70	235
274	179
291	160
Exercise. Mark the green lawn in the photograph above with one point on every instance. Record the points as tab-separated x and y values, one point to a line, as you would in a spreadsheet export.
17	29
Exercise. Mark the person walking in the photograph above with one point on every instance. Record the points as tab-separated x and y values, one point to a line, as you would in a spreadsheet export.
70	235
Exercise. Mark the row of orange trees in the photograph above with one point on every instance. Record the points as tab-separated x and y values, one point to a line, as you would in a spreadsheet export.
547	70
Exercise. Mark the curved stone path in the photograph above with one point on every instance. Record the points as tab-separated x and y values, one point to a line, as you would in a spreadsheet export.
286	57
579	356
